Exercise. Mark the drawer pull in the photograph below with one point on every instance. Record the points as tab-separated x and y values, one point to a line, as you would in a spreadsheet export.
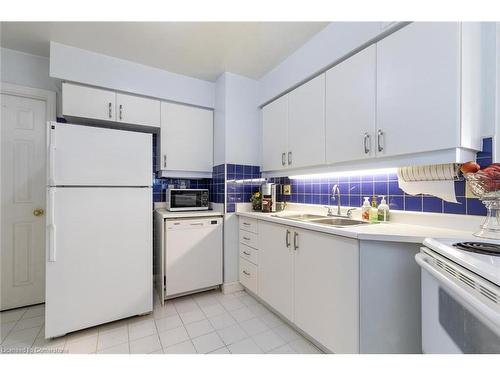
245	223
246	273
246	253
246	238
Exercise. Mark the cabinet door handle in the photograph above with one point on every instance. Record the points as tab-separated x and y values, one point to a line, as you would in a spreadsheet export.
289	157
283	158
366	142
121	111
295	240
246	253
380	137
245	223
287	238
165	161
246	238
246	273
109	110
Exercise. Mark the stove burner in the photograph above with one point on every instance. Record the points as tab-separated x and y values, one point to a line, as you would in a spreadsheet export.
479	247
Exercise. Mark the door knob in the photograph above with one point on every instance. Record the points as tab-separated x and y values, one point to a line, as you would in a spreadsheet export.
38	212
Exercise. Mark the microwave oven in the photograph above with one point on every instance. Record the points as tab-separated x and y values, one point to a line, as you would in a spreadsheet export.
187	199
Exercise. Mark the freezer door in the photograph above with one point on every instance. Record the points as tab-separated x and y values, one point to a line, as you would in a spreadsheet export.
99	257
90	156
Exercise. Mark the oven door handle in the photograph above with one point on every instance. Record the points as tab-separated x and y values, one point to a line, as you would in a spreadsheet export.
492	317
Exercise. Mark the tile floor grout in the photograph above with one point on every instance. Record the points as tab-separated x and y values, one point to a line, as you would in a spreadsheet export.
232	311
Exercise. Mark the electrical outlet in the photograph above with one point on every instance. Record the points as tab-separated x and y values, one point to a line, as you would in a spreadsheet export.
287	189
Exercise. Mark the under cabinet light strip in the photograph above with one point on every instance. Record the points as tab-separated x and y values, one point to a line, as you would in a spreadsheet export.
346	173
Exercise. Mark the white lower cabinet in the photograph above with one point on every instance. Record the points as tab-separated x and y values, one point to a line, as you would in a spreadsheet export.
326	289
312	279
276	267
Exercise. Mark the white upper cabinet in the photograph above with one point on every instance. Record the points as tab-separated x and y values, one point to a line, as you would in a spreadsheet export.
275	135
88	102
306	124
132	109
419	89
106	105
350	108
186	138
294	128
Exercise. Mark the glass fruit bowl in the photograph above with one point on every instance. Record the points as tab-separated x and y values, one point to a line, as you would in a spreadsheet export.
487	189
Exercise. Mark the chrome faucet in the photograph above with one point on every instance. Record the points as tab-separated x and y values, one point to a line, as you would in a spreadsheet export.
336	190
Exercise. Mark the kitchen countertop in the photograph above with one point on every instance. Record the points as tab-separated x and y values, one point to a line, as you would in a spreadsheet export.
391	231
187	214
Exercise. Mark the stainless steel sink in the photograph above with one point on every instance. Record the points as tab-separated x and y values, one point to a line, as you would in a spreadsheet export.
302	217
338	221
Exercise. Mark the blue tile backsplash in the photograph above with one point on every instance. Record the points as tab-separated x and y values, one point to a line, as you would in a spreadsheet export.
238	182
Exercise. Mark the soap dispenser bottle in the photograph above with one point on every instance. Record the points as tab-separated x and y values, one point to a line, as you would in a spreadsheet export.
365	209
383	210
374	210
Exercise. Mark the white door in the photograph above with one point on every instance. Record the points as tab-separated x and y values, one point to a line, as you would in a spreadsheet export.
418	88
326	297
88	102
90	156
99	256
306	124
186	138
275	282
350	108
23	192
133	109
275	135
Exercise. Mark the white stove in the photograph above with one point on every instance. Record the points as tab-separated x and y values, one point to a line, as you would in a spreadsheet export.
483	263
460	295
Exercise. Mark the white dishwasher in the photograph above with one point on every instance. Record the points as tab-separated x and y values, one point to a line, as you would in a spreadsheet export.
193	255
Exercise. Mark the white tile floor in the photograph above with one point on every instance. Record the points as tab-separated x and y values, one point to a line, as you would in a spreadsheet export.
208	322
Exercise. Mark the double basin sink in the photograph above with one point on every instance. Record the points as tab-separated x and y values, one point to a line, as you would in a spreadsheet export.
325	220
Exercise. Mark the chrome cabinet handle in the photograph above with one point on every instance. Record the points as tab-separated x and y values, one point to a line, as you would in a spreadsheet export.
246	253
289	157
283	158
246	273
109	109
121	111
295	241
165	161
246	238
380	135
366	144
245	223
287	238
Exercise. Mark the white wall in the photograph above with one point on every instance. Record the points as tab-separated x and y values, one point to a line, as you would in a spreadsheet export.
322	50
236	120
242	120
220	121
79	65
27	70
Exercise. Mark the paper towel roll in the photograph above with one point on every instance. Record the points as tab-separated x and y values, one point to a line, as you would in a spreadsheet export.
438	180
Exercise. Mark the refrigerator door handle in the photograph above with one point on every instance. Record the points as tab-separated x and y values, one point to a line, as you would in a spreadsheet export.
52	151
52	227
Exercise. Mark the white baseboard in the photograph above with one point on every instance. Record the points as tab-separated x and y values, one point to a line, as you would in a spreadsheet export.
228	288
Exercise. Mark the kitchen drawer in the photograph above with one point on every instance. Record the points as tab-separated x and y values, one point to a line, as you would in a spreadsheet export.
248	275
249	239
248	253
249	224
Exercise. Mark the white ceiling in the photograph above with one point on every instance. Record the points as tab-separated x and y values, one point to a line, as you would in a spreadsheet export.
197	49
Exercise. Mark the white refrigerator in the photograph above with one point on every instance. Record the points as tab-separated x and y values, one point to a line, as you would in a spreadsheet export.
99	227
